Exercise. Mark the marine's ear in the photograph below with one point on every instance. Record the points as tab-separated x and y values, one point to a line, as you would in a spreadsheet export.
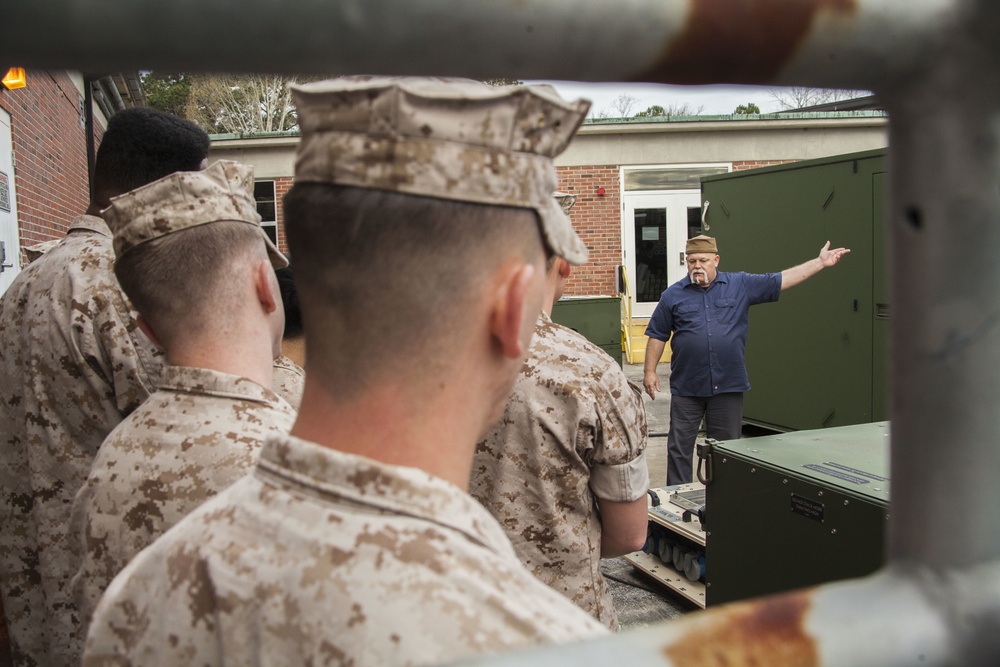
265	286
510	310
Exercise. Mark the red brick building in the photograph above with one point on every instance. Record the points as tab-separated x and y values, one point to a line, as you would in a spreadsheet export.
44	175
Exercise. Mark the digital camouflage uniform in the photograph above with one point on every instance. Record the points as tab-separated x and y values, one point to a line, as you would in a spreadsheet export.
191	439
326	558
289	380
574	429
73	365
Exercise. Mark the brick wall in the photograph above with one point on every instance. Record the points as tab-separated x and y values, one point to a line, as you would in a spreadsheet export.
597	219
282	186
50	154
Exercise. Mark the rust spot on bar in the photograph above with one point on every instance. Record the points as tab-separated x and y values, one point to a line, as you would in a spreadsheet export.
764	633
739	41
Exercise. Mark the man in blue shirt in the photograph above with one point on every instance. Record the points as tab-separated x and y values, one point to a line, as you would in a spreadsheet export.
708	314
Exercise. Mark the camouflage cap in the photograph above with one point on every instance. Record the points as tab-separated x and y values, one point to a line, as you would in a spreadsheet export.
184	199
447	138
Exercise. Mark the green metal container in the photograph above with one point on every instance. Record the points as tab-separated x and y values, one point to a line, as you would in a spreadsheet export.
817	357
597	318
796	509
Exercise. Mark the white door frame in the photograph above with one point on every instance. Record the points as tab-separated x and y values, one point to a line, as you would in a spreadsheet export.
11	259
675	205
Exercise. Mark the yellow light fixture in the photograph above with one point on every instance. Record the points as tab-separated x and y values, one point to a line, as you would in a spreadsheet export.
15	78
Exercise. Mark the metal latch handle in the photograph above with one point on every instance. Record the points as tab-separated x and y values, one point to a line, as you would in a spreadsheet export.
3	258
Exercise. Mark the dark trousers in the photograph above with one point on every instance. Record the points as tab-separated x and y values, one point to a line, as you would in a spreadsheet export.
723	415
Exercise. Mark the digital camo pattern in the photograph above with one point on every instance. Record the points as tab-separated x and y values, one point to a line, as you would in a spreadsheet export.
326	558
185	199
452	139
73	365
574	429
289	380
37	250
194	437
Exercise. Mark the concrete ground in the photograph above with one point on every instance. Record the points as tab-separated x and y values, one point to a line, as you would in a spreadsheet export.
640	600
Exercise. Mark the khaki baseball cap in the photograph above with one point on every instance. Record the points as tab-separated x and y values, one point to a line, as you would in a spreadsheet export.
701	243
185	199
452	139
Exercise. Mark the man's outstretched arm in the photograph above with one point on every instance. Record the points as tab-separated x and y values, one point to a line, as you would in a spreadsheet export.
797	274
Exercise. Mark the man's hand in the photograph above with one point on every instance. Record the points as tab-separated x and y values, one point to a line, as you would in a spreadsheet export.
797	274
830	257
651	382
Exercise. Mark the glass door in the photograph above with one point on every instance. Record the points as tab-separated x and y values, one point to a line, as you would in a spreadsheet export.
655	230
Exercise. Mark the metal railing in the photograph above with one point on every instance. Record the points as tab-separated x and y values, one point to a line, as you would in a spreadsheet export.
934	63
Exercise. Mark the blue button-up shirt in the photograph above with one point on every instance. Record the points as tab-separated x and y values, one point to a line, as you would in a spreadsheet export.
710	330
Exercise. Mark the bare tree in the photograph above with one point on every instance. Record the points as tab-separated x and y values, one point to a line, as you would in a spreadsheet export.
242	103
797	98
621	106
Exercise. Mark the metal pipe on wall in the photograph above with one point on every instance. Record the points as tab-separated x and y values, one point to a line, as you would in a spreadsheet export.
110	88
88	127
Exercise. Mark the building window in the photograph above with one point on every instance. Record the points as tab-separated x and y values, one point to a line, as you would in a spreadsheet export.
263	194
670	178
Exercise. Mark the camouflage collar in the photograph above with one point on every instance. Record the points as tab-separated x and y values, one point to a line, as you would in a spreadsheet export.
90	223
338	476
186	379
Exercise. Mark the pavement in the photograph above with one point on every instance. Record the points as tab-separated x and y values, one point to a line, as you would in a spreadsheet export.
639	599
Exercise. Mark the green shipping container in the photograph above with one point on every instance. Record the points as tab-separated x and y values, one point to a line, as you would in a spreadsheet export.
797	509
597	318
817	357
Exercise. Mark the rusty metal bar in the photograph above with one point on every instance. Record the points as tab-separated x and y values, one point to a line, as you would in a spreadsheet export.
934	63
833	43
897	618
945	349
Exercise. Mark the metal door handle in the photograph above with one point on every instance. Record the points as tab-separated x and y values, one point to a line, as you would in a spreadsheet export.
3	258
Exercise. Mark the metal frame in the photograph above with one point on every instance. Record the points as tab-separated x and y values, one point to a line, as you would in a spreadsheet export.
933	62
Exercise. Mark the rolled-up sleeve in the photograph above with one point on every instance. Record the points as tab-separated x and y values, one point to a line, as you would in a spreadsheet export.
618	457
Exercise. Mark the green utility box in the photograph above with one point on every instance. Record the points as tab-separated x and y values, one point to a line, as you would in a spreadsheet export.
795	509
817	357
597	318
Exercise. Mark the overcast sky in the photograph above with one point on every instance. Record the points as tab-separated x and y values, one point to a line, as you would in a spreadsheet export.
716	100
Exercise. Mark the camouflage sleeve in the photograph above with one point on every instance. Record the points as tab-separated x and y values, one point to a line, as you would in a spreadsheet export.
100	548
144	621
119	351
618	458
